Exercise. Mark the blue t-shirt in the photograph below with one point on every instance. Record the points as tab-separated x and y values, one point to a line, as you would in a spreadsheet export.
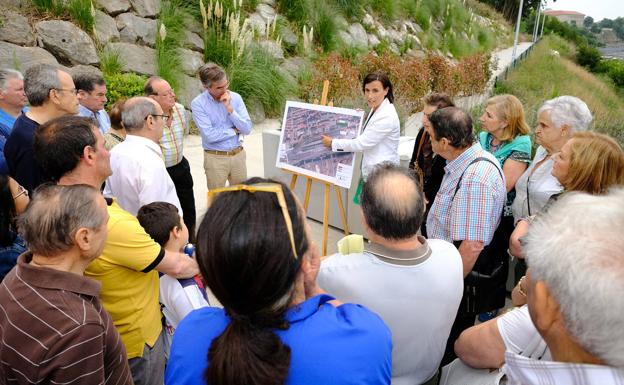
347	344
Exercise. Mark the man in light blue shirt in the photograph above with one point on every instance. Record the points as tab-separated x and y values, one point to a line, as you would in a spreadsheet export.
221	116
12	101
92	98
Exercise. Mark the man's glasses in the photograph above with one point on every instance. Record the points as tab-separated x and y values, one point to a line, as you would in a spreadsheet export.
262	187
165	118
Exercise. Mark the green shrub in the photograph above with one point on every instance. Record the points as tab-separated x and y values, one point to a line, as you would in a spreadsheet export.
350	8
80	11
123	86
387	9
257	76
57	7
325	24
588	56
422	16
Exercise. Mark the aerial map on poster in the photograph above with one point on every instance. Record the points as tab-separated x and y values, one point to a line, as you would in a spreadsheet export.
301	150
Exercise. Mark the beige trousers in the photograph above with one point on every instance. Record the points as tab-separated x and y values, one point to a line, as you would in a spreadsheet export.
222	168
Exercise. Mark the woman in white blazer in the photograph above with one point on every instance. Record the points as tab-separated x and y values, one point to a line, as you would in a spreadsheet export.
379	140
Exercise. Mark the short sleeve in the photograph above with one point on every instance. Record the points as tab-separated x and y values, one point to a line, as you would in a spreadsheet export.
129	245
520	335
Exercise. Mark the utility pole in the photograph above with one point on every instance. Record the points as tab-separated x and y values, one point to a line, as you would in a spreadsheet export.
537	22
543	22
515	47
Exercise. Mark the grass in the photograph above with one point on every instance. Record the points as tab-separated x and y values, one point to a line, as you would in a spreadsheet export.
80	11
297	11
325	23
352	9
257	76
173	16
544	75
110	62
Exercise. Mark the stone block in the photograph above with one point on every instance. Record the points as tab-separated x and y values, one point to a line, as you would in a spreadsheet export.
67	42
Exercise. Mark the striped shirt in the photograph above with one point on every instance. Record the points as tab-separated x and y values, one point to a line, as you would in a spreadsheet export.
475	211
526	371
172	141
54	330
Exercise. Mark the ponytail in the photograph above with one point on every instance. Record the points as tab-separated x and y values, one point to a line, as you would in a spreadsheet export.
249	352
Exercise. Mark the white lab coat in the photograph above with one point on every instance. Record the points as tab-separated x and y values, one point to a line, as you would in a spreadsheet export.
380	140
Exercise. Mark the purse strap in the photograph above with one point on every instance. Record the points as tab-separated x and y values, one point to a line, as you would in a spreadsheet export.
475	160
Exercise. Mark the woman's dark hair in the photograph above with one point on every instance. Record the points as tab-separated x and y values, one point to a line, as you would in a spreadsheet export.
245	256
7	213
383	79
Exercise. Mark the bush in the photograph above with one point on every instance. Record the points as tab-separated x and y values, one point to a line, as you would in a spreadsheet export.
350	8
257	76
325	24
588	56
173	17
80	11
123	86
296	11
110	62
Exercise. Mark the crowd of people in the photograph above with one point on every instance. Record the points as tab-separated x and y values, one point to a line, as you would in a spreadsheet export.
100	285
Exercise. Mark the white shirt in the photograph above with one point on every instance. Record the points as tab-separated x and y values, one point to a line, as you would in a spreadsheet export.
525	371
520	335
541	186
418	301
139	175
380	140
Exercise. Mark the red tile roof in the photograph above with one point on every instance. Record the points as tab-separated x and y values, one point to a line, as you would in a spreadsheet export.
559	13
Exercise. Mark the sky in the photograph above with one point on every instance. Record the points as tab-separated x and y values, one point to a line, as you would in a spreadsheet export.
598	9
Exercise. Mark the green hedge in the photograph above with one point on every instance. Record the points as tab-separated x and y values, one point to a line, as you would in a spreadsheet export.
123	86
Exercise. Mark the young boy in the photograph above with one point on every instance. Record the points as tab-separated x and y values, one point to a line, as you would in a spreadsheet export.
177	296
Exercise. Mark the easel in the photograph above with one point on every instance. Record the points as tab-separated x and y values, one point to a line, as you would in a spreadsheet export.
309	179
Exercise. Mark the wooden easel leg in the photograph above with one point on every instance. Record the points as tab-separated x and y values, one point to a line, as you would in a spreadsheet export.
326	218
306	199
343	214
293	181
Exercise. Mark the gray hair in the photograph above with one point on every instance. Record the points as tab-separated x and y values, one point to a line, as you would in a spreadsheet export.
55	214
38	81
7	74
577	250
209	73
135	111
568	110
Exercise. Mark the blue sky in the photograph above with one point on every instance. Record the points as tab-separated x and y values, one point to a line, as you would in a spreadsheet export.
598	9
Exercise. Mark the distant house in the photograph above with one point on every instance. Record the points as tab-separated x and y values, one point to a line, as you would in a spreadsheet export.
571	17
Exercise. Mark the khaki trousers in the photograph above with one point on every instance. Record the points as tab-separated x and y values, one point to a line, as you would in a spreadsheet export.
222	168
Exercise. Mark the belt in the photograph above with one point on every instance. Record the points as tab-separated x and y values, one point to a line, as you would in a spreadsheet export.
225	153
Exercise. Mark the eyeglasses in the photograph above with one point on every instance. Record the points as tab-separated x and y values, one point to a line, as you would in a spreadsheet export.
165	118
72	90
20	191
262	187
166	93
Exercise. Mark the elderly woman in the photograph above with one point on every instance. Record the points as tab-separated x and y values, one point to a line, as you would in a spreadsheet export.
589	162
276	326
557	120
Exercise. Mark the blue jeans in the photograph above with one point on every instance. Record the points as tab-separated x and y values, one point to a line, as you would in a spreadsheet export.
9	254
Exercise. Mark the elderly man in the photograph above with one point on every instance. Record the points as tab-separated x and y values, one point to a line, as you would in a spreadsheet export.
71	150
92	98
574	293
222	118
139	173
466	211
54	329
12	101
51	93
413	283
172	146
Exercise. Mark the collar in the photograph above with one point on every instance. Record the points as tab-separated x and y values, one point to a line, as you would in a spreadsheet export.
401	257
130	138
463	159
307	308
85	110
47	278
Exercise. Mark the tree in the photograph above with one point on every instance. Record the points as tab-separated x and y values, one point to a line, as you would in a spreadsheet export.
588	22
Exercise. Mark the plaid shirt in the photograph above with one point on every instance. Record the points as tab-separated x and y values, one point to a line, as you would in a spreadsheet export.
525	371
475	211
172	141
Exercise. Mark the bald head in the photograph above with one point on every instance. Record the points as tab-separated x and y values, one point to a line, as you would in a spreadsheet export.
136	110
393	202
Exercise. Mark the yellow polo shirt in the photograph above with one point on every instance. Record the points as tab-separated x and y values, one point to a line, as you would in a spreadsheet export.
129	282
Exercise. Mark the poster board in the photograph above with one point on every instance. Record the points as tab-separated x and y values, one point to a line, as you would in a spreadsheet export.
301	150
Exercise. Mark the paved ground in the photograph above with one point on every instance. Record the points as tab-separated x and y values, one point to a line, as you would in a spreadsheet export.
253	145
